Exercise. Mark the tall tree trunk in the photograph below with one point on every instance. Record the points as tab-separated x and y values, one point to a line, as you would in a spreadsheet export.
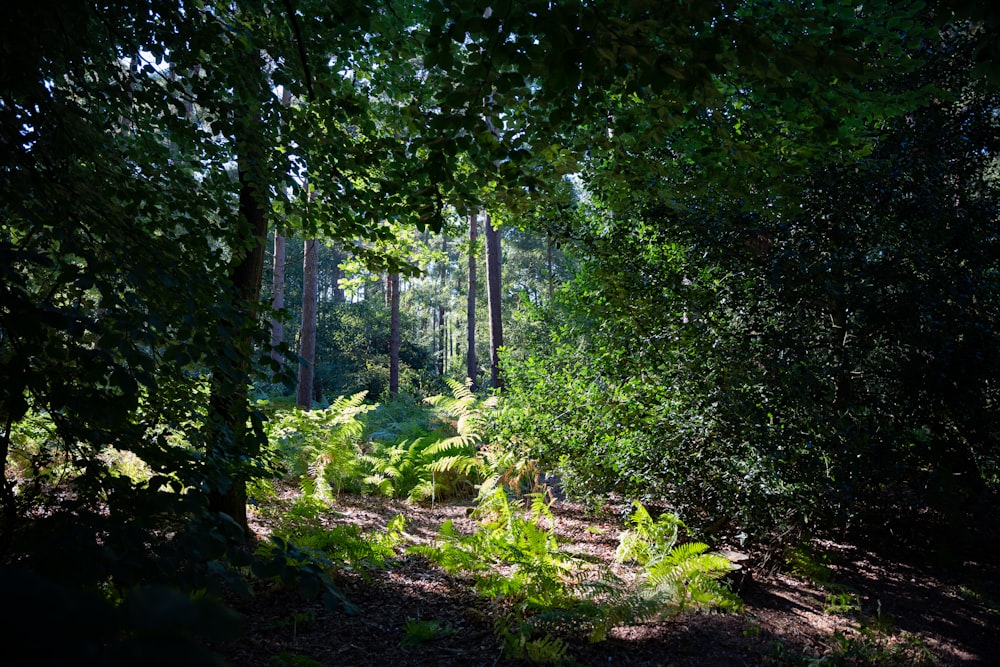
548	266
278	296
471	365
442	359
493	293
307	336
278	276
230	439
394	335
336	257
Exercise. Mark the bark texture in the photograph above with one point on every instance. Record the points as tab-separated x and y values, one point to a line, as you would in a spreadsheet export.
307	337
472	365
493	299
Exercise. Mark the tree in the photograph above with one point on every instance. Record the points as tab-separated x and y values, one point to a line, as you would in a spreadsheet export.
442	334
472	366
307	333
129	276
773	359
278	296
147	148
494	301
392	295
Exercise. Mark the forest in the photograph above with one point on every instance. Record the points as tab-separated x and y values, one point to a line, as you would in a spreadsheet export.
427	332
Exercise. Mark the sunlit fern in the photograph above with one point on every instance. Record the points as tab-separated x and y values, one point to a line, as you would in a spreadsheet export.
677	577
516	558
319	447
442	463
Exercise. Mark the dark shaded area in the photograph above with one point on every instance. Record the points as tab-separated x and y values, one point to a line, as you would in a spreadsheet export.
925	611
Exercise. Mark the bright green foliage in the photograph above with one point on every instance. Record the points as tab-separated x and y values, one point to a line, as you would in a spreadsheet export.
519	644
686	577
435	465
137	137
805	354
647	539
515	558
341	547
679	577
320	447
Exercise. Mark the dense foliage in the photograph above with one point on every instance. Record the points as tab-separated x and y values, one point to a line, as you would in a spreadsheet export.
750	273
823	353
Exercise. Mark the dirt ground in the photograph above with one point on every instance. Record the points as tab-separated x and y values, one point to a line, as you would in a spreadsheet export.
927	604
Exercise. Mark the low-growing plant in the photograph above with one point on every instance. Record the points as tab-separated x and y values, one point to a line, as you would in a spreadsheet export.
438	464
841	603
804	561
320	447
522	644
344	546
514	555
516	558
419	632
679	577
647	537
873	647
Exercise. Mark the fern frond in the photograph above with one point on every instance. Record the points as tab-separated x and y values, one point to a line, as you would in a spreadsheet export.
458	463
454	443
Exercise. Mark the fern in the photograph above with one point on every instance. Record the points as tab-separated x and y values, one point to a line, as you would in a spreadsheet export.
544	650
437	464
678	577
516	558
648	538
342	547
320	447
506	469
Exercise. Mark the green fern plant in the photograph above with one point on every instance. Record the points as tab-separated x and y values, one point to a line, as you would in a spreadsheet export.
522	643
438	464
320	447
516	558
647	538
304	540
677	577
418	633
515	554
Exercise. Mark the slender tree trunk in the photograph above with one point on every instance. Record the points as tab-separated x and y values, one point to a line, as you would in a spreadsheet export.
337	256
471	365
307	337
230	439
548	262
394	335
442	340
493	293
278	276
278	296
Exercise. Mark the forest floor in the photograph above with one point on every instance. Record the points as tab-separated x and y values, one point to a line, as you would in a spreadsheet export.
933	602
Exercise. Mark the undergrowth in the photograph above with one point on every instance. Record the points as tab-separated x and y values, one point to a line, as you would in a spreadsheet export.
443	462
320	447
545	594
340	547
